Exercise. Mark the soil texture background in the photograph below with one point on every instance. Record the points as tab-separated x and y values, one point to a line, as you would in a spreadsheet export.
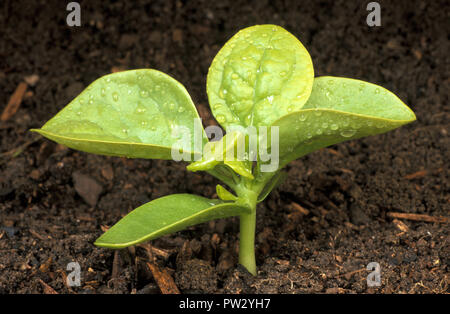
315	234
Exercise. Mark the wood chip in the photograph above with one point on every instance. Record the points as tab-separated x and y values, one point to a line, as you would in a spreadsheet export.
163	280
418	217
14	102
47	288
46	266
400	225
31	79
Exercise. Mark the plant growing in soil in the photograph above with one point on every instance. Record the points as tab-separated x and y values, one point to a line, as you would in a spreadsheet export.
260	86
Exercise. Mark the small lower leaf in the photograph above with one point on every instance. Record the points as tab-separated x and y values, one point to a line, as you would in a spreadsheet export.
163	216
224	194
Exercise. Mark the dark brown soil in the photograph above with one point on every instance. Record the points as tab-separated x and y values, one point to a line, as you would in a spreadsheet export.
347	189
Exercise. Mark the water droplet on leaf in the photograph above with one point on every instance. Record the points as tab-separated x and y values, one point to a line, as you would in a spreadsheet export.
348	133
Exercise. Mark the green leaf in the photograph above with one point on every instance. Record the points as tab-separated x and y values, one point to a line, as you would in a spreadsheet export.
134	114
338	110
224	194
262	73
165	215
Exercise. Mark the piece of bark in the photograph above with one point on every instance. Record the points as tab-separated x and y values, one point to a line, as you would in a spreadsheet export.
163	280
47	288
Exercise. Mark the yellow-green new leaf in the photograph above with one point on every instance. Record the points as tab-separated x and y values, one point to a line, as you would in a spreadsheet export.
136	114
166	215
262	73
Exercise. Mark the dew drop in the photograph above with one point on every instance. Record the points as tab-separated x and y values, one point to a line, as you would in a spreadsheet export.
309	135
346	122
217	106
317	112
348	133
283	73
172	106
330	82
108	80
248	119
143	93
103	92
81	101
334	126
143	123
369	123
379	125
274	29
302	117
115	96
221	118
270	99
153	128
79	113
91	102
234	76
181	109
377	90
290	108
222	93
325	125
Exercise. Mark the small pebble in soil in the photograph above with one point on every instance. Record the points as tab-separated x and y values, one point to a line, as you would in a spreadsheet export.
87	188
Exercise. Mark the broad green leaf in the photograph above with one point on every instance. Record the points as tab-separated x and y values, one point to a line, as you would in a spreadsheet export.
338	110
136	114
229	150
224	194
262	73
165	215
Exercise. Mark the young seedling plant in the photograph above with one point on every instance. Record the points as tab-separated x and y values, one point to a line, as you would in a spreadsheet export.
260	86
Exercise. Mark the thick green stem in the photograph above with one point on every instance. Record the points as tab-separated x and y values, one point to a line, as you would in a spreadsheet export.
247	233
248	192
247	242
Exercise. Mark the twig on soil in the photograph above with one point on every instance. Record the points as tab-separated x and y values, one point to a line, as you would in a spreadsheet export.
14	102
151	251
47	288
417	174
16	151
299	208
163	280
418	217
115	269
350	274
37	235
